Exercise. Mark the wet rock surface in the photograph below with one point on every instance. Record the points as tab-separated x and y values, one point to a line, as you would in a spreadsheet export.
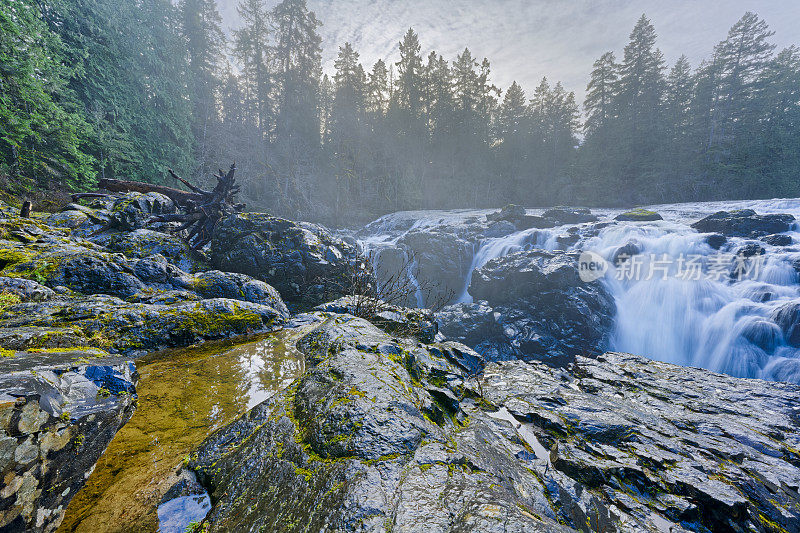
58	412
442	259
304	262
541	308
638	215
372	438
74	292
401	321
381	434
569	215
744	223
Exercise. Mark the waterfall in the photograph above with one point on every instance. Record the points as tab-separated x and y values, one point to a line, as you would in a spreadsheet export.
711	322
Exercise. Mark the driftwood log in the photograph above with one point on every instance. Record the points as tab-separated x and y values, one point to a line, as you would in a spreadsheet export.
200	210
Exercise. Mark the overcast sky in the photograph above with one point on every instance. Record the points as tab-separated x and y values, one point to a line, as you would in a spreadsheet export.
527	39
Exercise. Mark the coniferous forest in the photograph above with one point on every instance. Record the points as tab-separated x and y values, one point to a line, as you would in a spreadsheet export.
127	88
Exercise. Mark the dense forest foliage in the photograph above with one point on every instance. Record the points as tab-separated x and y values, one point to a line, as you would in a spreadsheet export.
127	88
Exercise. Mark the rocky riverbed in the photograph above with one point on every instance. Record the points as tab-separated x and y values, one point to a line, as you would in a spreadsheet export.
506	412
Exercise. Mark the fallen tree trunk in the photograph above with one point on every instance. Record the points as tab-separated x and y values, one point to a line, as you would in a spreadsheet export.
176	195
200	209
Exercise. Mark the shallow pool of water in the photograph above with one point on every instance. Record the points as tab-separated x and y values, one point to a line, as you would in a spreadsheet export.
184	395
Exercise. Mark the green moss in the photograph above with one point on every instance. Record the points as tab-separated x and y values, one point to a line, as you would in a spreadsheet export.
639	214
7	299
7	353
95	352
308	474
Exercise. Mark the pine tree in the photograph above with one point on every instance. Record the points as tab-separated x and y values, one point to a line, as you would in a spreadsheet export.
600	93
378	89
741	59
409	79
298	70
252	50
641	82
678	101
298	58
42	135
205	43
639	95
440	103
512	133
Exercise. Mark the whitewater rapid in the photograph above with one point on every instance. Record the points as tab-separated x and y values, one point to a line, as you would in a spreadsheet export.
711	323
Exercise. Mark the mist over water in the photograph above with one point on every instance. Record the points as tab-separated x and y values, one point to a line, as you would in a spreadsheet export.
713	322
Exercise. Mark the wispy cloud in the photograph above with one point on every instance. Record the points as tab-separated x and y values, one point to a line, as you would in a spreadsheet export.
526	40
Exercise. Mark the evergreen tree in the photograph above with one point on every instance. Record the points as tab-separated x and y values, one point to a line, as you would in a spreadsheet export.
639	95
42	133
378	89
512	133
252	50
298	70
349	130
298	59
678	103
741	59
600	93
205	44
409	79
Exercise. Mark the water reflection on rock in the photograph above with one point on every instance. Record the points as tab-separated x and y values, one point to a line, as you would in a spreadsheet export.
183	396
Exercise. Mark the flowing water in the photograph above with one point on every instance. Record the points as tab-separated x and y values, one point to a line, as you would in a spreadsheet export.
184	395
662	312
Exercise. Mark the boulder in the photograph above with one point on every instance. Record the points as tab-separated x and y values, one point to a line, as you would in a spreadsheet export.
625	252
778	240
787	317
26	289
744	223
533	221
510	213
401	321
135	328
716	241
476	325
372	438
546	312
443	261
72	292
56	419
304	262
638	215
750	250
569	215
134	210
381	434
142	243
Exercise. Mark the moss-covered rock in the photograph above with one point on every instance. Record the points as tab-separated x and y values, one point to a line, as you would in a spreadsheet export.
521	447
69	290
305	262
142	243
360	444
638	215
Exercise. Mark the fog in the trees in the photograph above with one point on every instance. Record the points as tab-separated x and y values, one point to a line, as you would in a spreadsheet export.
137	87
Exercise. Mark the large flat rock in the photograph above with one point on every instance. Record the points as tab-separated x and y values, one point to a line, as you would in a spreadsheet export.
384	434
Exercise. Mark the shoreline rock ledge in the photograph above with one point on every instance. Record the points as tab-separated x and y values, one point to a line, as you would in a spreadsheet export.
386	434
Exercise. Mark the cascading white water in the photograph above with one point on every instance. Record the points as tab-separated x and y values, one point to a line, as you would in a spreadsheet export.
709	322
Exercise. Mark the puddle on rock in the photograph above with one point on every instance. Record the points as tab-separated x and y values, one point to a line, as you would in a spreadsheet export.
184	395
